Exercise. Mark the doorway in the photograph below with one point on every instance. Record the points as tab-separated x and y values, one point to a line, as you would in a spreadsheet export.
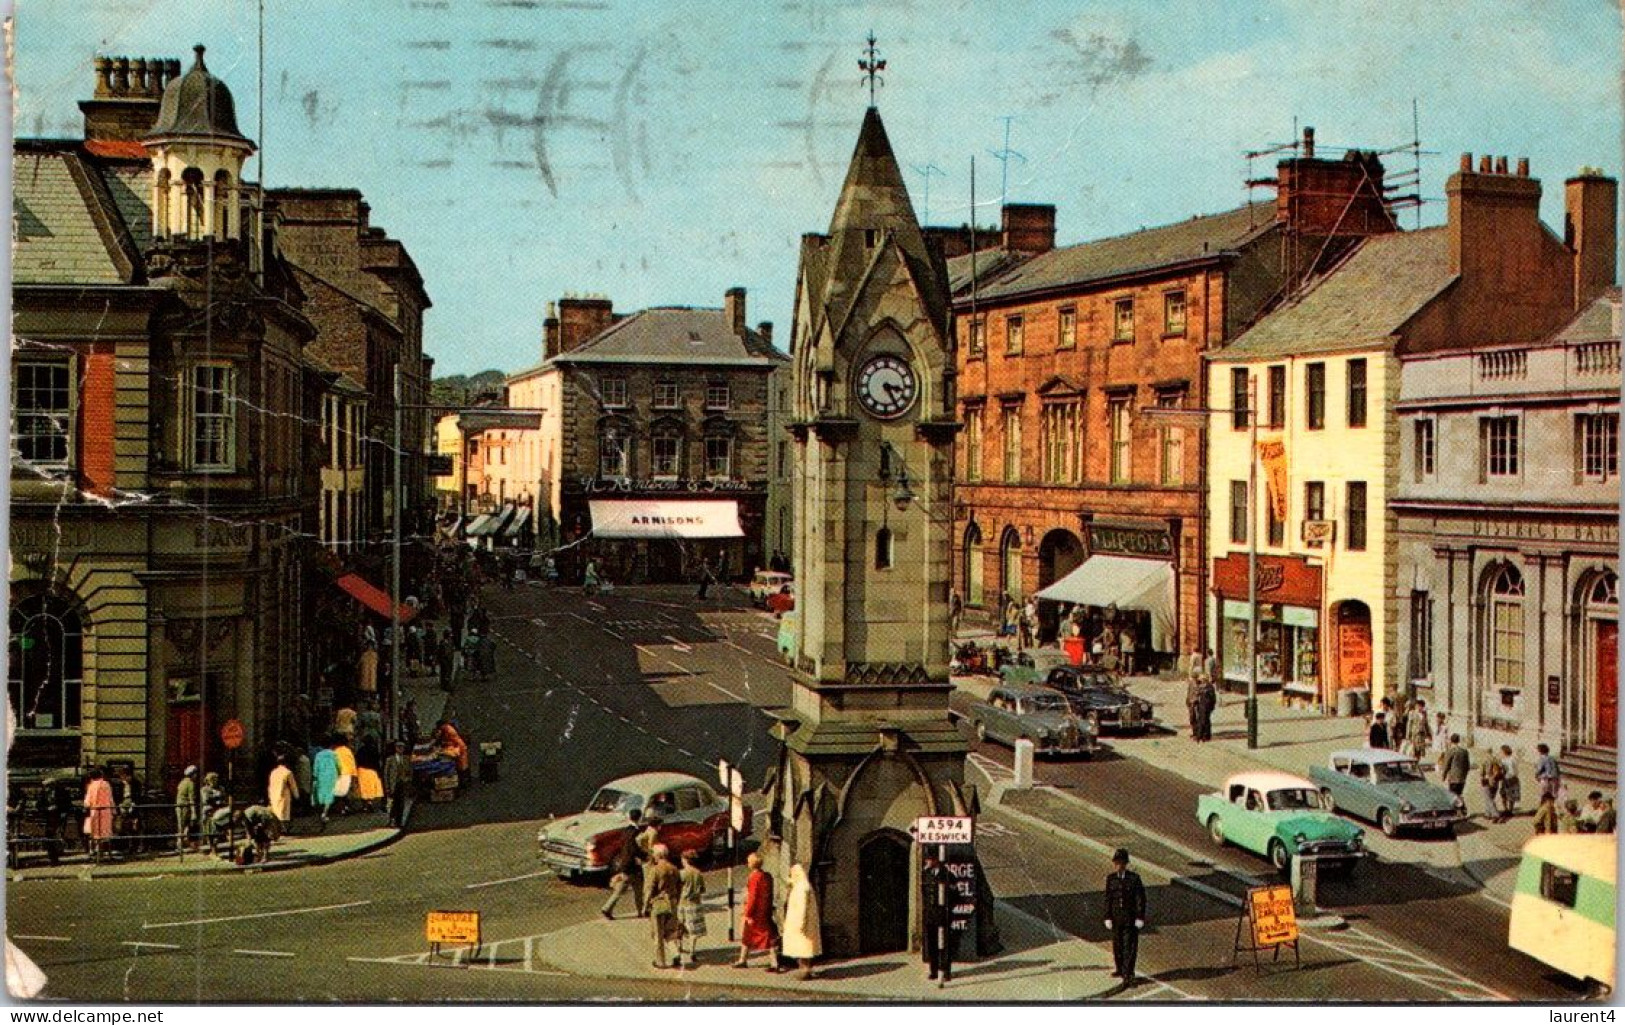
1353	645
883	892
1607	683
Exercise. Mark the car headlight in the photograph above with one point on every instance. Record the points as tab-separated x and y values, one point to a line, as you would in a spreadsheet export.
1043	734
1357	840
1406	807
1460	804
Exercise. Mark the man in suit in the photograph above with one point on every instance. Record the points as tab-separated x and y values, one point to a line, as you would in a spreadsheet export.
1125	915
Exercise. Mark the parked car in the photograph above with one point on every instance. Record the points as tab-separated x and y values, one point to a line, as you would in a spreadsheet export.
766	582
1387	788
692	817
1095	695
782	600
1014	711
1030	666
43	817
1280	816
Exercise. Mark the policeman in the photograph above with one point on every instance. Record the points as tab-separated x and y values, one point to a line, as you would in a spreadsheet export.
1125	915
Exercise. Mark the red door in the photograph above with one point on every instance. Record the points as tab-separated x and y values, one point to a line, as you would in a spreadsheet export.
189	741
1607	683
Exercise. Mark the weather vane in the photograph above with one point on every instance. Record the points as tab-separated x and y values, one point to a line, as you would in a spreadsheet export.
872	66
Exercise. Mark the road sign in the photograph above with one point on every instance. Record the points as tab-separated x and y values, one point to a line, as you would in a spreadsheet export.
942	829
457	928
1275	920
231	734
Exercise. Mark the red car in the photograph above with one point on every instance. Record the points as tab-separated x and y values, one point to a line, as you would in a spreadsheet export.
692	817
781	601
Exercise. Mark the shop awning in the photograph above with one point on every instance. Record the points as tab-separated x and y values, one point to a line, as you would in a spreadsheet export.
1104	580
650	520
517	523
372	597
476	526
490	525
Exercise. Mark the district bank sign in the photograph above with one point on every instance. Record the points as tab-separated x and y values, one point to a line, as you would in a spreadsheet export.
1542	530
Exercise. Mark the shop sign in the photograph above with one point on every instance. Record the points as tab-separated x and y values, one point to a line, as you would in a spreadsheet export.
1282	580
1354	655
1544	530
629	485
49	537
1273	455
1108	539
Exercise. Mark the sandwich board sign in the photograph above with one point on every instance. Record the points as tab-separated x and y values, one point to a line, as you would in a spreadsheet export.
1269	921
452	929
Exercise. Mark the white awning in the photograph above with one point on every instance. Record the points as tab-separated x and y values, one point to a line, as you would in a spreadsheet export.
518	523
650	519
476	526
1105	580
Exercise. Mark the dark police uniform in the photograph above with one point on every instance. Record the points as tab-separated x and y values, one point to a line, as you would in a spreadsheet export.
1125	905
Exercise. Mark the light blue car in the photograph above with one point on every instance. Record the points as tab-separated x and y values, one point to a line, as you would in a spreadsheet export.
1387	788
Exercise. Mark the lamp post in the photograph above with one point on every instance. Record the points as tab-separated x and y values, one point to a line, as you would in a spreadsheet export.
1198	419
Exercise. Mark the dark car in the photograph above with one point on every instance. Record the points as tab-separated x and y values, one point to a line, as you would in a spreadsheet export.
42	818
1096	696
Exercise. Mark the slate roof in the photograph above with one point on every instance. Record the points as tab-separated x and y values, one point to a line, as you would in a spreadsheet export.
1137	252
674	334
1364	300
988	264
1598	322
58	239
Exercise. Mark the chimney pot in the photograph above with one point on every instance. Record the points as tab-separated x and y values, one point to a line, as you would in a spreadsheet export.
1500	165
121	76
1523	167
1466	163
1308	142
138	77
1484	164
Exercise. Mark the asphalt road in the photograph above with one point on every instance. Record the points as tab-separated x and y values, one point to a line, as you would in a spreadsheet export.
588	690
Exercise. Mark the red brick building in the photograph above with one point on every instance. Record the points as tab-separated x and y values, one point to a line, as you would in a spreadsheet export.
1060	348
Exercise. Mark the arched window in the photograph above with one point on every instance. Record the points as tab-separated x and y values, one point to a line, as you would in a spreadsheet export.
883	548
222	204
1505	610
974	589
1010	563
160	204
192	179
1604	591
46	668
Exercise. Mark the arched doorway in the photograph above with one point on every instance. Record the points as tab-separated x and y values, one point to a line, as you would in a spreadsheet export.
1059	553
883	892
1601	648
1353	639
1010	563
975	591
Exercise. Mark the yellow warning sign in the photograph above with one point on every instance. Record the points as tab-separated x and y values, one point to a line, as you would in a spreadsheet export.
1275	920
455	928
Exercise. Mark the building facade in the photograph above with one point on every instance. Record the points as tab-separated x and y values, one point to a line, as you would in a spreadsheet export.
654	439
1508	526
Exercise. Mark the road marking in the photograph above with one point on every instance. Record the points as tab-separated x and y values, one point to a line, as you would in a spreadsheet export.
679	645
45	939
510	879
262	914
266	953
158	946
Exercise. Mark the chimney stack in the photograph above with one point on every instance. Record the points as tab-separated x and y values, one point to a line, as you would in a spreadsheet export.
1591	232
1322	197
550	332
1308	143
765	329
1491	216
581	318
733	308
1028	227
124	102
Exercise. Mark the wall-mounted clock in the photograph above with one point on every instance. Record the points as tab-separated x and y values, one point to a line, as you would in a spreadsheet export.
886	387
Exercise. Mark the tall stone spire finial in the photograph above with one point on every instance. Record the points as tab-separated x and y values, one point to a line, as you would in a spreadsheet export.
872	66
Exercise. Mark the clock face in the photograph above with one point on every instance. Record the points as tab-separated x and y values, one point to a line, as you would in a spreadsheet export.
886	387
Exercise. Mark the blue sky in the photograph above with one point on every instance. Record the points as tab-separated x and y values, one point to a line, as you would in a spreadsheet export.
662	152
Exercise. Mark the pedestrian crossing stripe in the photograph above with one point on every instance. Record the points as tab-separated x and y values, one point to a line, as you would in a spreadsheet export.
517	955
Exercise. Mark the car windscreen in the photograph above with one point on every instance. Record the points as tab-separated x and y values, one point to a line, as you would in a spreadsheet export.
615	800
1046	703
1398	772
1293	799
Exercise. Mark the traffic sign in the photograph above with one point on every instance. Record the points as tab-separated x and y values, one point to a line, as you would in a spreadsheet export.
944	829
458	928
231	734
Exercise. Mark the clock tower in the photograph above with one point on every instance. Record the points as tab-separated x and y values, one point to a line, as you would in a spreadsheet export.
867	742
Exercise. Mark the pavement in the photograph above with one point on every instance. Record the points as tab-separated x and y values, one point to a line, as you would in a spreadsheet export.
346	836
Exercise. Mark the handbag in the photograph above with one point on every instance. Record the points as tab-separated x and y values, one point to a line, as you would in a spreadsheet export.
660	904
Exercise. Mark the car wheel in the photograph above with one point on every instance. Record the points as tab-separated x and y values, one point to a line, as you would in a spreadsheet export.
1215	829
981	732
1385	821
1279	857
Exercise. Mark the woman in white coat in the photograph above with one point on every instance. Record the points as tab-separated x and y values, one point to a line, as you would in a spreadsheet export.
803	932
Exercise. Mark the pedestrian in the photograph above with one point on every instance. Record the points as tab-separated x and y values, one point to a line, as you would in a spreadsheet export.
803	931
1441	738
98	824
941	945
1548	774
956	609
1377	736
447	653
216	809
756	932
1511	788
281	791
262	827
185	808
366	670
1606	819
589	579
1024	627
1490	772
705	579
488	655
398	783
449	742
665	885
302	774
1386	707
1587	821
471	654
410	728
1568	817
344	786
325	771
1194	699
690	910
626	868
1546	814
1125	915
1210	701
1125	646
1417	730
1454	765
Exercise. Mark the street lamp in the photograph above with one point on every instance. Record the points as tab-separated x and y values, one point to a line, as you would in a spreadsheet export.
1198	418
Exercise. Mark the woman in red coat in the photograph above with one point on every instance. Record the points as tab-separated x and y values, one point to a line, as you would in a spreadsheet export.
757	933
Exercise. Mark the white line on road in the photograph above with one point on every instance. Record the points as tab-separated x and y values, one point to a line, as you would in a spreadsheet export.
679	645
262	914
266	953
159	946
45	939
510	879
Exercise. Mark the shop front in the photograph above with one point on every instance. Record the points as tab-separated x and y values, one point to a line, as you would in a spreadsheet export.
663	531
1289	624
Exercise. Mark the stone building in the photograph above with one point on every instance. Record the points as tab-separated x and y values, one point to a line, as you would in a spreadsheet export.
653	439
1507	509
159	491
1059	349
